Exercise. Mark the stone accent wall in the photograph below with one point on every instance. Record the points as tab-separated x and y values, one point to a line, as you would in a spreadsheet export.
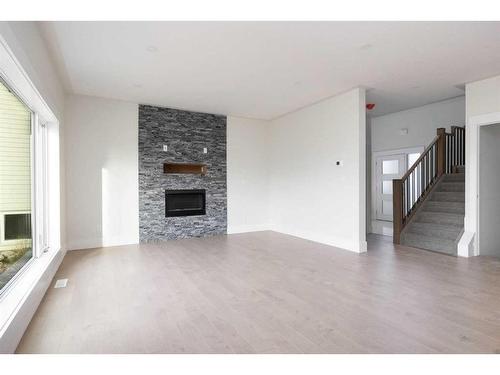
186	134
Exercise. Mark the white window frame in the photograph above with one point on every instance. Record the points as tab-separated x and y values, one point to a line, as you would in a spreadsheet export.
40	189
39	172
38	152
18	302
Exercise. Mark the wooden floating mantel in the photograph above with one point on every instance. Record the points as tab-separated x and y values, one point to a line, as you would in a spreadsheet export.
184	168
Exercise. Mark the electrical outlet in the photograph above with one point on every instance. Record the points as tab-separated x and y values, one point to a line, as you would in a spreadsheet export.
205	150
165	148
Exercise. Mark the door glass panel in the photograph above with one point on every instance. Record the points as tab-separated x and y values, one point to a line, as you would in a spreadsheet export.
15	185
387	187
387	207
390	166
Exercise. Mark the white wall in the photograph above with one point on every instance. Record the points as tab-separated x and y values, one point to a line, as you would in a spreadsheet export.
247	174
102	135
489	190
311	197
421	123
102	200
272	167
483	96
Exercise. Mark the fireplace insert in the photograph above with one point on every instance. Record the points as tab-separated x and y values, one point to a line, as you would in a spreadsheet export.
184	202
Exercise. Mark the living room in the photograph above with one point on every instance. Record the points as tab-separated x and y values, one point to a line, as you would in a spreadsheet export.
201	187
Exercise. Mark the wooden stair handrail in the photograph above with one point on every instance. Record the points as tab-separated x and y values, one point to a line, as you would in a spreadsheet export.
412	168
436	160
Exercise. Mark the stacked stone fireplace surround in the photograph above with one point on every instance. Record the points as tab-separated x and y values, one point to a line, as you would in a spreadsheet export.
186	135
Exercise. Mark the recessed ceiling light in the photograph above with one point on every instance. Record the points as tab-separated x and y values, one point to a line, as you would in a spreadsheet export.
152	49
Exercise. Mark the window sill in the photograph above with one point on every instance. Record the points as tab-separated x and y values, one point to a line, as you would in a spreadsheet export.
33	278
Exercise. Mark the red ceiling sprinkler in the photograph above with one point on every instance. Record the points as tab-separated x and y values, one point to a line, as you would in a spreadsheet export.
370	106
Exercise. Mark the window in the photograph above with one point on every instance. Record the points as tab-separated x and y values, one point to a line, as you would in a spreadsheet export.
390	167
16	187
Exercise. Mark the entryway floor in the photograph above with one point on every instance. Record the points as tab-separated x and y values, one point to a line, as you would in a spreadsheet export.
267	292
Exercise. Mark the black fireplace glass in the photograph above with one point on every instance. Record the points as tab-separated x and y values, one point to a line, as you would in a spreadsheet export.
185	202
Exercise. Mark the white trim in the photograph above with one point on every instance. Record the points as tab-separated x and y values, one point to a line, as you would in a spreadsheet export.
247	228
469	244
334	241
359	238
97	242
34	183
39	197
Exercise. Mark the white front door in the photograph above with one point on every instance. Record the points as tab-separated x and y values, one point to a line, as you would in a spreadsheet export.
387	168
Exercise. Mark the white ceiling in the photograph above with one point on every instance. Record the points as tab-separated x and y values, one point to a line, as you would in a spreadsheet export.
266	69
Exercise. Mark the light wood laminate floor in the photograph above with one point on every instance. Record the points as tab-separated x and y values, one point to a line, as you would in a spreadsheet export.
266	292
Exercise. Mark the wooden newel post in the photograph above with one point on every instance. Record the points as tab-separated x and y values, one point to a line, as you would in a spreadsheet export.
441	151
397	209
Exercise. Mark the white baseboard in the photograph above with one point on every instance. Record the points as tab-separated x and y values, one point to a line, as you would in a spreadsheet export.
247	228
357	247
360	247
465	247
342	243
92	243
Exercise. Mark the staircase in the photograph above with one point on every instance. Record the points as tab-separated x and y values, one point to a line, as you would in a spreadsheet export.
439	223
429	200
